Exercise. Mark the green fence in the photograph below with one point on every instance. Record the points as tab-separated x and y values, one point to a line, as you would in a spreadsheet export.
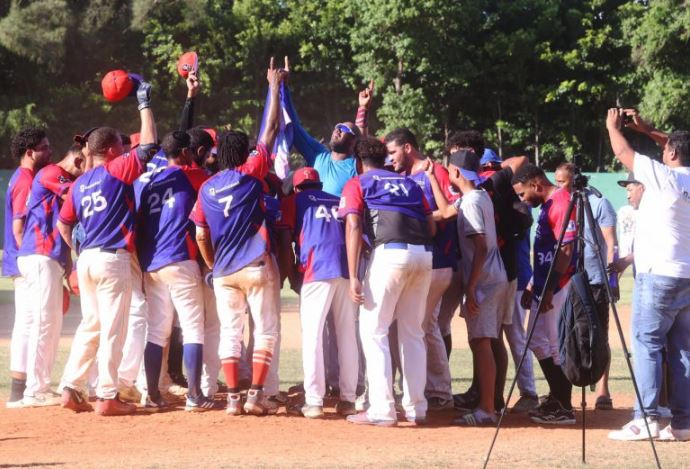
605	182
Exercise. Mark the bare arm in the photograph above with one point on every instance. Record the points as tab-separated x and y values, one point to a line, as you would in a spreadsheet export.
353	245
514	163
620	146
644	127
204	241
362	118
480	251
66	233
274	77
432	225
611	241
445	210
18	230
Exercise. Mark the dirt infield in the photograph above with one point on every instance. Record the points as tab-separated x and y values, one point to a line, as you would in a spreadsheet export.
53	437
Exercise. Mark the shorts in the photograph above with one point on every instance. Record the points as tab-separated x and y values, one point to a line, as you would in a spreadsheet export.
488	322
508	305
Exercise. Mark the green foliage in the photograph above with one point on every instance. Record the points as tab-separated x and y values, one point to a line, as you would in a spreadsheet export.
536	76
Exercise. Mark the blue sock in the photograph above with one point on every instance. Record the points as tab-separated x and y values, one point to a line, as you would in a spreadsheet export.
193	358
153	360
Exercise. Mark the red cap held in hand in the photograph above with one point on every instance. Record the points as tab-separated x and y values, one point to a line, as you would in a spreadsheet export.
188	62
117	85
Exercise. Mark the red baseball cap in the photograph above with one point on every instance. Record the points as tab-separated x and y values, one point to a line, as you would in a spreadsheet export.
306	176
188	62
117	85
213	134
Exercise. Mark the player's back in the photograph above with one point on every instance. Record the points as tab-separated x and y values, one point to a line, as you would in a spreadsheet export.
164	231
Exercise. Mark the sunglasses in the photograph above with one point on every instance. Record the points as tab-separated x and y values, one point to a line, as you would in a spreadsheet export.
344	129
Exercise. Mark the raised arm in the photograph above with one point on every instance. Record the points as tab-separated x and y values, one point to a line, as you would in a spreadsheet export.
514	163
620	146
274	77
445	210
193	88
362	119
644	127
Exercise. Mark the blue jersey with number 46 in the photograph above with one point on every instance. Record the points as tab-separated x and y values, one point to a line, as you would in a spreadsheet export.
231	206
164	231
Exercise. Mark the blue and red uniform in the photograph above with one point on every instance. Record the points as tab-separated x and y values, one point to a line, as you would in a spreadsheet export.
40	229
549	226
445	251
15	207
312	217
102	200
164	231
393	206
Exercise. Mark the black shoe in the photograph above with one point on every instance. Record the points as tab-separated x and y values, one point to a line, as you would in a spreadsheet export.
466	401
179	379
553	413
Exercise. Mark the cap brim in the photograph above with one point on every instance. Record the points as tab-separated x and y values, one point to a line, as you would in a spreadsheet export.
470	175
310	185
625	182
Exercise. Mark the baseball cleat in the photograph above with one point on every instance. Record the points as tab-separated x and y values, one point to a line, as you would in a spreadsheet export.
258	404
234	405
42	399
114	407
200	403
312	411
363	419
437	404
73	400
674	434
635	430
346	408
129	394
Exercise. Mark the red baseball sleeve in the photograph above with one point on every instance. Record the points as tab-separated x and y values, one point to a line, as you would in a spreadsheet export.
198	216
20	194
257	163
441	174
351	200
125	167
53	179
195	176
68	215
557	216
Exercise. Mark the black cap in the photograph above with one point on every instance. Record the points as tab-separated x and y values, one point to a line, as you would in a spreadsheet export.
630	180
82	138
468	163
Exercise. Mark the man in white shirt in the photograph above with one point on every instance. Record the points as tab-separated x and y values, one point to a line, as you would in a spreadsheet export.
661	298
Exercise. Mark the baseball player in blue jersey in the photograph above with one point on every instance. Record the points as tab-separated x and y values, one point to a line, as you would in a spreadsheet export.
391	210
102	200
233	239
172	278
319	236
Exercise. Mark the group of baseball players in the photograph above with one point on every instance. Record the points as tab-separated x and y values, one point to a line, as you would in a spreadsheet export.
382	244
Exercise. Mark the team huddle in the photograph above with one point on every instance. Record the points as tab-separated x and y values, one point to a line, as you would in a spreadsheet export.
381	243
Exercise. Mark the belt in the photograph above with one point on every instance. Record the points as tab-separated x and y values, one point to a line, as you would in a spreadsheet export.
109	250
405	246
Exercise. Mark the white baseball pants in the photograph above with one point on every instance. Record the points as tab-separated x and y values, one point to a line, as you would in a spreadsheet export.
544	343
395	288
133	351
253	286
105	284
272	384
516	337
438	381
21	329
43	277
316	300
175	287
212	365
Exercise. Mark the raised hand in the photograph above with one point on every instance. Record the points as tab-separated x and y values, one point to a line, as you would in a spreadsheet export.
613	119
366	94
273	74
193	85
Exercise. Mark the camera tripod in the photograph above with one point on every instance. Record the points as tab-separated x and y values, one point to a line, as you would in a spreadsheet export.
579	202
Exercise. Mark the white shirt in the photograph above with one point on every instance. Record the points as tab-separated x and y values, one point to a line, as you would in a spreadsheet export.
662	228
626	229
476	216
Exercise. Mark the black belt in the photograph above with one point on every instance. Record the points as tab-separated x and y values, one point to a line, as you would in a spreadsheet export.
108	250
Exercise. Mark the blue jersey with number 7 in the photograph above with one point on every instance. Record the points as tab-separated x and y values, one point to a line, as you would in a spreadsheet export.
231	207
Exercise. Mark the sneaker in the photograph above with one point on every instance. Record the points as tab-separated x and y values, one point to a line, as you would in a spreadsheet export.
129	393
417	421
16	404
553	413
312	411
544	402
42	399
635	430
200	403
525	404
466	401
73	400
361	403
672	434
258	404
154	405
476	418
437	404
363	419
346	408
234	404
114	407
177	390
281	398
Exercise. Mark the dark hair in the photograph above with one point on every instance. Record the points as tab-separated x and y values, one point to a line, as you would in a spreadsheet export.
198	137
466	139
527	173
401	136
174	142
101	139
567	167
233	149
371	151
26	139
679	141
74	148
125	139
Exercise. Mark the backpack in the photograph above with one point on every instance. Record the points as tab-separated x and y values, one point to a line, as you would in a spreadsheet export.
582	336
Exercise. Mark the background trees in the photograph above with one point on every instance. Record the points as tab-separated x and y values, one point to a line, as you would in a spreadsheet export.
535	75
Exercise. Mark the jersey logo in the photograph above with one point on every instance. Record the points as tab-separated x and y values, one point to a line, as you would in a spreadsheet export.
63	180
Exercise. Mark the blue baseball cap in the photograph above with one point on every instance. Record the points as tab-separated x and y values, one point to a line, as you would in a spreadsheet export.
489	156
467	162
